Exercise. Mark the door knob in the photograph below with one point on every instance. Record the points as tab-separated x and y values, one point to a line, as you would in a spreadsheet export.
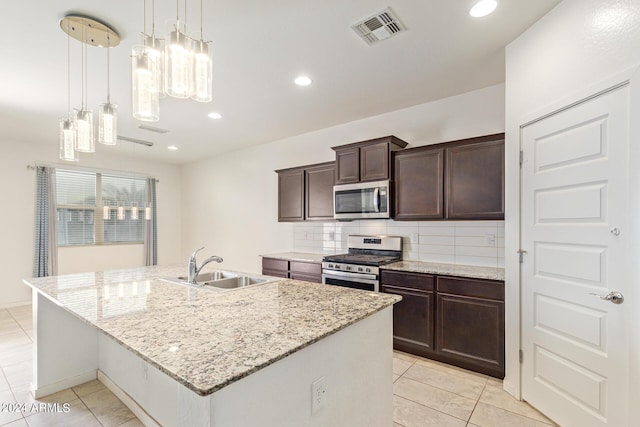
613	296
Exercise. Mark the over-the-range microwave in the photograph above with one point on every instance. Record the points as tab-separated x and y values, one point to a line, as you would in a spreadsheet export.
364	200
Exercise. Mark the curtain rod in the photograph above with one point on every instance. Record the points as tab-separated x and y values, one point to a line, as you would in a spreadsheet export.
85	169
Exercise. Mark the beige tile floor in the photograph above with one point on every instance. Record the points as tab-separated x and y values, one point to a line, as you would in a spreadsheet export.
429	393
426	393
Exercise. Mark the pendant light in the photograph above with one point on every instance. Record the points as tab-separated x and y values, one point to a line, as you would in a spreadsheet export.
108	113
80	130
146	75
203	69
67	137
178	60
85	136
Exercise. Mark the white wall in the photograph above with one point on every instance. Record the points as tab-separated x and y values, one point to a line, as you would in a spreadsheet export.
232	198
577	45
17	189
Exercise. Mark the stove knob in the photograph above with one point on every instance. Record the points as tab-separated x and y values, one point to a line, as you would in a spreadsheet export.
348	267
368	270
359	268
330	265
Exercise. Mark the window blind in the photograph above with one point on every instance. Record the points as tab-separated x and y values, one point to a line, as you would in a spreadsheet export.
93	208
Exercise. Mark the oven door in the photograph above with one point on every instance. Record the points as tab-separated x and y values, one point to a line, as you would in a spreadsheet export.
367	282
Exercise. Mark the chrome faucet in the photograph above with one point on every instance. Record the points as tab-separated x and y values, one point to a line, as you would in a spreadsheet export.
194	270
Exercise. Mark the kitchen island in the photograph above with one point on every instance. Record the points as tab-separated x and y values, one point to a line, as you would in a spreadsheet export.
181	355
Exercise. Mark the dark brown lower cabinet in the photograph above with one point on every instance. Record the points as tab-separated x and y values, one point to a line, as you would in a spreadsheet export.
413	317
289	269
460	322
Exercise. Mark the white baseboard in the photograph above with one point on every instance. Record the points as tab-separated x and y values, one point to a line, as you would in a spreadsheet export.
15	304
62	385
142	415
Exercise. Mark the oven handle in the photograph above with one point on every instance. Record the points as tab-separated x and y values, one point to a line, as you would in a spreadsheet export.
354	277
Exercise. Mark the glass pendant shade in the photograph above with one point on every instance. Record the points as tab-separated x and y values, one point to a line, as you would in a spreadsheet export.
85	139
68	141
155	57
145	97
134	212
178	69
203	73
108	124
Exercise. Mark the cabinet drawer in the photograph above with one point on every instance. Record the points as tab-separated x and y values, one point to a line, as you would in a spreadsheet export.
306	277
312	268
275	273
408	280
275	264
471	287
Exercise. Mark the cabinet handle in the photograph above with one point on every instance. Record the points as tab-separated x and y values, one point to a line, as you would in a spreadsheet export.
376	199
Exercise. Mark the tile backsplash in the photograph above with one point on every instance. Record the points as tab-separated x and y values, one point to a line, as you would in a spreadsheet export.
452	242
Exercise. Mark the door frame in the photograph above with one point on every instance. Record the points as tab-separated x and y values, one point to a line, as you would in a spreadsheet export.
513	280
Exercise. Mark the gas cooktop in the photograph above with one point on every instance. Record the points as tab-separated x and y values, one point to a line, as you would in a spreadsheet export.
361	259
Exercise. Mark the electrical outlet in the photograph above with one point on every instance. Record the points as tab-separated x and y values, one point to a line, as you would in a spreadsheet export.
332	235
415	237
490	240
318	395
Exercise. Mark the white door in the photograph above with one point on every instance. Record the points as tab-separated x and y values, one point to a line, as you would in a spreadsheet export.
574	229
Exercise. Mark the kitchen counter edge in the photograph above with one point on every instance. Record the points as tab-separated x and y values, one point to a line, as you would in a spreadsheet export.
458	270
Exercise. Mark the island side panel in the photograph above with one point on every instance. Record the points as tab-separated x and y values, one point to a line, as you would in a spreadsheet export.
65	350
356	364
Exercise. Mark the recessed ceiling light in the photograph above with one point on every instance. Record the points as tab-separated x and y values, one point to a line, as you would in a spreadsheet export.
215	115
303	81
483	8
172	148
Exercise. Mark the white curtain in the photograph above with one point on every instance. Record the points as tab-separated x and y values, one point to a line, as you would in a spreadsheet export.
46	242
150	229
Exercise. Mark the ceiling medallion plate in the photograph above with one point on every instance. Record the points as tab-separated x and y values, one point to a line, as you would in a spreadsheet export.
90	31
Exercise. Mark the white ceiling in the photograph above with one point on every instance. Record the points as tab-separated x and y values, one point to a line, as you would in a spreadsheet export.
259	48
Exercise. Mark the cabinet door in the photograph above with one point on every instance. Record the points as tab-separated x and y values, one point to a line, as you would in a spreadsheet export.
475	181
319	192
374	162
471	331
413	318
348	165
291	195
418	182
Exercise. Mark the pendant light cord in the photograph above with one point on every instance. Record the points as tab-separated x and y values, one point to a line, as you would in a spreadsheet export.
108	70
201	36
68	74
144	23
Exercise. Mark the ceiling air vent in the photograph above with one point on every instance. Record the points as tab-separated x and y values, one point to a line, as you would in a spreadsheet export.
135	141
379	27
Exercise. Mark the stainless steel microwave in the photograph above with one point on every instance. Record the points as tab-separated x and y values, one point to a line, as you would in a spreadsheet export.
364	200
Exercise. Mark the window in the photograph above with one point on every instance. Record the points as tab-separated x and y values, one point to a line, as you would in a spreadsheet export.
96	208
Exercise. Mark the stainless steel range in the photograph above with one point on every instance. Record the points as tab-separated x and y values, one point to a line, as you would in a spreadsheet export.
359	268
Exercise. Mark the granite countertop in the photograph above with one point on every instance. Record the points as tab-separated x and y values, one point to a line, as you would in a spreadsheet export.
204	339
470	271
296	256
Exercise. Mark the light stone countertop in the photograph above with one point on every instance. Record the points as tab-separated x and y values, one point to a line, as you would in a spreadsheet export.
470	271
296	256
204	339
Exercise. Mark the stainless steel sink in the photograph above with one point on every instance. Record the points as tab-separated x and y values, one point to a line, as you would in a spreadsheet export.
221	280
212	275
235	282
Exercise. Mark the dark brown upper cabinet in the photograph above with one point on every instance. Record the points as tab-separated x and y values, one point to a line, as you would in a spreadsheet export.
319	191
291	195
454	180
475	180
419	183
306	192
367	160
